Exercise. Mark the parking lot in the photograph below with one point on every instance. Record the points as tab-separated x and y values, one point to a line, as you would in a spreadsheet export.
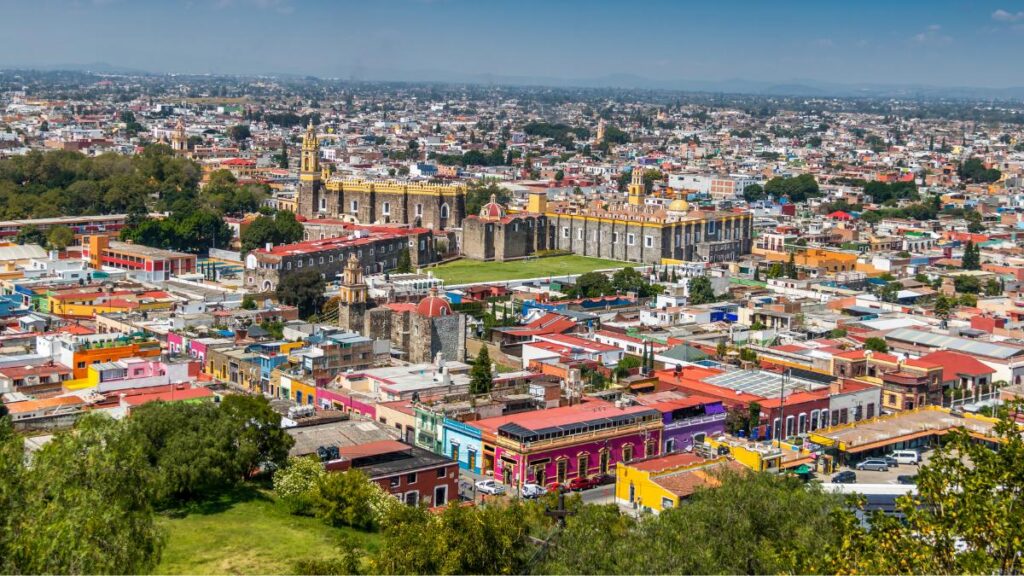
888	477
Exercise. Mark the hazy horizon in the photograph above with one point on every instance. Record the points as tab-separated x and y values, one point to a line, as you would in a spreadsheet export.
941	44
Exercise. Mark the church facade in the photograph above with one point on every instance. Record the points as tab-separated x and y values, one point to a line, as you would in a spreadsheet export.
435	206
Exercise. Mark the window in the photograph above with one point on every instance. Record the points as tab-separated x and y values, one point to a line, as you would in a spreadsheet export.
615	237
649	241
565	231
386	209
354	206
627	453
444	210
410	478
419	209
630	239
441	472
579	233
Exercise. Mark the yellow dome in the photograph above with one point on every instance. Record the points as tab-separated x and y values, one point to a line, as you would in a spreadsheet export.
679	205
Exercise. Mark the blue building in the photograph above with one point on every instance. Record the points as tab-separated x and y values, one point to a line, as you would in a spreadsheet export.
463	443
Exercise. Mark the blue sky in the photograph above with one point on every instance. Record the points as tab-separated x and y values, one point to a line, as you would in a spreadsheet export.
936	42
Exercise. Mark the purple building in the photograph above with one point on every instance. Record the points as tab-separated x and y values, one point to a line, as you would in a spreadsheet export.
559	444
687	419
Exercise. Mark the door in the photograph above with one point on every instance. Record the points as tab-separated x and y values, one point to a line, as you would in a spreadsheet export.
560	470
582	465
440	495
471	460
412	498
539	476
506	475
604	461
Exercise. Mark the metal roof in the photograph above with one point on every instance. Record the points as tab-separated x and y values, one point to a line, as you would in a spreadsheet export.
762	383
973	347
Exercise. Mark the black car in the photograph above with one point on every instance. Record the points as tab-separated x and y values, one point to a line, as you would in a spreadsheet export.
845	477
906	479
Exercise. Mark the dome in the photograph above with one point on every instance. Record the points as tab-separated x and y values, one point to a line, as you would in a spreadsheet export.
679	205
433	306
492	210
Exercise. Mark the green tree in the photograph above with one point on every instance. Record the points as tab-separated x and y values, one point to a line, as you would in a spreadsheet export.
239	132
790	270
965	284
701	291
404	265
559	176
753	192
629	280
84	506
974	171
797	189
993	287
890	292
296	482
480	377
30	234
592	285
479	193
628	363
248	302
837	333
304	290
281	228
944	306
259	441
345	499
876	344
971	259
60	237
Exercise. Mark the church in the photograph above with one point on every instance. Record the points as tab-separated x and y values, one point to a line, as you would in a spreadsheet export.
419	331
434	206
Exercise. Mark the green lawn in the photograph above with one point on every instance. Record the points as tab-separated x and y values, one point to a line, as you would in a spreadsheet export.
247	532
472	271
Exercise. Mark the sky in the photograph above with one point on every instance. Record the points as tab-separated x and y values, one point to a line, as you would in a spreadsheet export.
929	42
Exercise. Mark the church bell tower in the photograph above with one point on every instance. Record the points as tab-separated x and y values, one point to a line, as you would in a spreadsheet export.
637	190
309	174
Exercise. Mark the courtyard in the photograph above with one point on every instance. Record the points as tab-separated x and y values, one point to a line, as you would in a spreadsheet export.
473	272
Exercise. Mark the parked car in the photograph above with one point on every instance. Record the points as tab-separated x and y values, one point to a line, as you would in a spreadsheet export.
556	487
489	487
906	479
845	477
906	457
892	462
876	464
581	483
529	491
602	479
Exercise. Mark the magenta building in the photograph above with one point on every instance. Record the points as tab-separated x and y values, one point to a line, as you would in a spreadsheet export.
560	444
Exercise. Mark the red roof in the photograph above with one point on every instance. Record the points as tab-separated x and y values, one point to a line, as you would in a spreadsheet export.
956	363
433	306
558	416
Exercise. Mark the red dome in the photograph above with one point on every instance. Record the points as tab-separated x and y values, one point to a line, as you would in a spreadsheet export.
433	306
492	210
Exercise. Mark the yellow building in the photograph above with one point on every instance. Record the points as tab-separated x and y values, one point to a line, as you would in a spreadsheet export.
661	483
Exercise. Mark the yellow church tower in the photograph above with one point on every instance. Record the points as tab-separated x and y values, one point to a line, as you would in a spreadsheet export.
308	198
353	289
636	189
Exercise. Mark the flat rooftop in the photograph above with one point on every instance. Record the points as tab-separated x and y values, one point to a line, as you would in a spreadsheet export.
763	383
901	427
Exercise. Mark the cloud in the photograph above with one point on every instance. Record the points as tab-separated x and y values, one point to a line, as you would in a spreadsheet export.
1004	16
932	36
823	43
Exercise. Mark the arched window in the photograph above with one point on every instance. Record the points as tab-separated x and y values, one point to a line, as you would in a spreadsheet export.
444	210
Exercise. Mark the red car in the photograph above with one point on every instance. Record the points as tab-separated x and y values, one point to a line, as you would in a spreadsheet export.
581	483
556	488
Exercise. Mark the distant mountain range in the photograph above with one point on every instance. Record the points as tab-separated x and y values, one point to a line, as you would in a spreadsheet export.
793	87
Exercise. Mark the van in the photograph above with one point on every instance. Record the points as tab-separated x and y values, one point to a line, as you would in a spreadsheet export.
906	456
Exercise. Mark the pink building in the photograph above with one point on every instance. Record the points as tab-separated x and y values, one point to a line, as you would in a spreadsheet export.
562	443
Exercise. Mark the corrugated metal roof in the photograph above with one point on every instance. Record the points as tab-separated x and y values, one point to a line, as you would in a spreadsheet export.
975	347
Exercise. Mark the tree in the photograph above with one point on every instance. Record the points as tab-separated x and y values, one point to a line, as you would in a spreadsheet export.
59	237
971	259
239	132
592	285
480	377
974	171
753	192
993	287
30	234
259	441
281	228
890	292
304	290
721	349
248	302
790	270
965	284
837	333
963	517
479	193
84	506
876	344
797	189
404	265
701	291
559	176
628	363
944	306
295	483
629	280
282	157
345	499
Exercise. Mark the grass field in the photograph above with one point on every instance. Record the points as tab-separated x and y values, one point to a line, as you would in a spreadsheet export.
472	271
247	532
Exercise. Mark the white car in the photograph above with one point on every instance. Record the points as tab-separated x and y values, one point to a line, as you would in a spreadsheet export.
489	487
532	491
